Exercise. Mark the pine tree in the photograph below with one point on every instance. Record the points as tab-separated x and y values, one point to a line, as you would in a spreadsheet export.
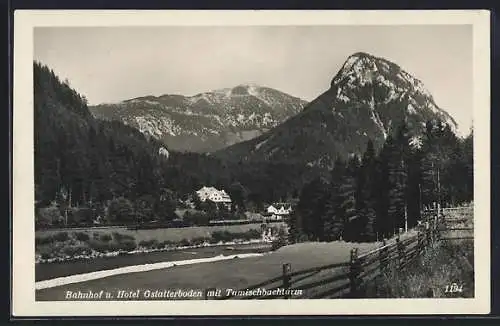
334	217
294	227
367	195
311	208
397	188
348	200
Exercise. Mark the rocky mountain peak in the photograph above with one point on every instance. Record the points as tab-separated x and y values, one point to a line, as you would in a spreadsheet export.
367	99
365	79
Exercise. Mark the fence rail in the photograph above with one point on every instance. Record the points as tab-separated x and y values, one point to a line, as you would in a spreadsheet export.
346	279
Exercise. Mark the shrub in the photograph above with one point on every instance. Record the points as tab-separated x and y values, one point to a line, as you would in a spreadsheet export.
79	216
75	250
213	241
196	218
199	241
253	234
122	237
81	236
45	251
153	243
120	210
223	236
48	216
226	236
126	245
99	245
167	243
61	236
44	240
105	237
184	243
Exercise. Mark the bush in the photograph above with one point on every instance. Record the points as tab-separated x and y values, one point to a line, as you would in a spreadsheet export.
253	234
196	218
45	251
48	216
75	250
185	243
81	236
167	243
213	241
226	236
223	236
99	245
44	240
79	216
120	210
198	241
105	237
153	244
126	245
61	236
122	237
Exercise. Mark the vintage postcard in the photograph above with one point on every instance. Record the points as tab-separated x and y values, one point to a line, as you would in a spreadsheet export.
251	163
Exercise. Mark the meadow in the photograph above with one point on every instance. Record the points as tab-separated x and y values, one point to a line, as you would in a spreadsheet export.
165	234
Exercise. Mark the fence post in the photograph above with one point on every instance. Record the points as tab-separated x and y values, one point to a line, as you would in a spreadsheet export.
286	279
419	242
354	272
427	236
383	257
400	249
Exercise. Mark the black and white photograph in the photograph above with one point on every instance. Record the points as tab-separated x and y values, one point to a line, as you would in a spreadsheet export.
275	161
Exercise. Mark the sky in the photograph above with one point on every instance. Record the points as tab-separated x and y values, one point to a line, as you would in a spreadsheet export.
111	64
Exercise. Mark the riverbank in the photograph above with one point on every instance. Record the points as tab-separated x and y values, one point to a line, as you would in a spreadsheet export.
45	271
63	246
84	277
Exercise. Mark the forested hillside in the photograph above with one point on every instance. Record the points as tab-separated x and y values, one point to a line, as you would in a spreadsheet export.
373	196
82	162
85	168
92	168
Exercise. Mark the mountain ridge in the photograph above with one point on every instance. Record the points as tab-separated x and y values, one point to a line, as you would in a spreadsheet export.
206	121
367	99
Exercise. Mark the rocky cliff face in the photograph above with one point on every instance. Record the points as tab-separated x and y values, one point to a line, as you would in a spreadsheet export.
207	121
367	99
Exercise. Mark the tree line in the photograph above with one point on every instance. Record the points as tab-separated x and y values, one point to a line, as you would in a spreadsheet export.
374	196
87	168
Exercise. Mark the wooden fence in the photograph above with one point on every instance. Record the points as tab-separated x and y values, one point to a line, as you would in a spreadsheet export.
340	279
346	279
457	223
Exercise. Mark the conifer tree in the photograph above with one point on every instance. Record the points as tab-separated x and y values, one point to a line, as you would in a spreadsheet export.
348	200
311	208
397	187
334	217
367	195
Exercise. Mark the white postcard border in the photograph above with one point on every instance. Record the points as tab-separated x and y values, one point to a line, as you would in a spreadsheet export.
23	294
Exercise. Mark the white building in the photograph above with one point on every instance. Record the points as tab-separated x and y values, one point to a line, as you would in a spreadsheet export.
279	211
272	210
213	194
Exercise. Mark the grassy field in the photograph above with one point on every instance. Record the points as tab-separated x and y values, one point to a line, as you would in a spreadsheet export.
171	234
236	274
